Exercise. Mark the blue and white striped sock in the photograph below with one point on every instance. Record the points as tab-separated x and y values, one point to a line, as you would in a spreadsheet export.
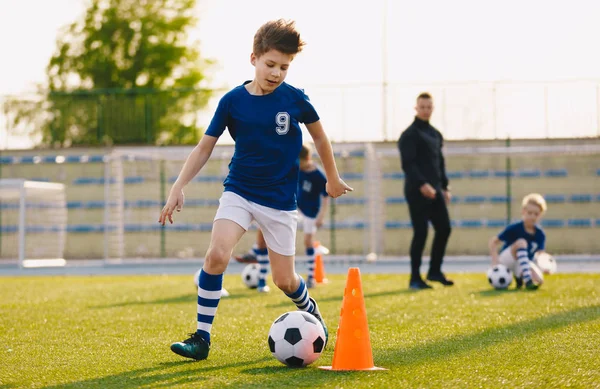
301	298
209	295
310	253
523	261
262	256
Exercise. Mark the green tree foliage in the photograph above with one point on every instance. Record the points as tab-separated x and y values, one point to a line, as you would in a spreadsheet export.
125	73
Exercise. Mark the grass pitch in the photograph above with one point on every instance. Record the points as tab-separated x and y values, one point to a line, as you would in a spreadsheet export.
115	331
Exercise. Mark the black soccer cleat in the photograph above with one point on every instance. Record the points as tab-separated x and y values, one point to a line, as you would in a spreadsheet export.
419	284
194	347
246	258
317	314
441	278
530	285
519	282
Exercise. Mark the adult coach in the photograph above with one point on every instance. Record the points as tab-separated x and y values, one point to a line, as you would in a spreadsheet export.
427	192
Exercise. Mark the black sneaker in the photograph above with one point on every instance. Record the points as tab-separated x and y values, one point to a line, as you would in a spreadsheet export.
530	285
419	284
246	258
441	278
317	314
195	347
519	282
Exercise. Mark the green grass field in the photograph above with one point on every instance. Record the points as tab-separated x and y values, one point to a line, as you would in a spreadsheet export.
115	331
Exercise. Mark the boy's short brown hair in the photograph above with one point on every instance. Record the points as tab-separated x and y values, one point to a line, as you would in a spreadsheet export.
305	152
424	95
535	199
280	35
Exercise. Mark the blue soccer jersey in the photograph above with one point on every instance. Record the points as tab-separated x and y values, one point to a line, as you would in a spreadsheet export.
515	231
311	187
266	130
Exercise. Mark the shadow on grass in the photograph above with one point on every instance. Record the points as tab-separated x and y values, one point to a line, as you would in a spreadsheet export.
185	298
498	292
339	298
466	343
155	377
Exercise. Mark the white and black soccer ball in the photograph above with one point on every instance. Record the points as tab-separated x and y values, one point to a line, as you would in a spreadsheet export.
499	276
546	263
250	275
296	339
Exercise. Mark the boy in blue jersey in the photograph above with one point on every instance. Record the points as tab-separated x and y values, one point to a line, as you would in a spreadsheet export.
311	189
263	117
521	241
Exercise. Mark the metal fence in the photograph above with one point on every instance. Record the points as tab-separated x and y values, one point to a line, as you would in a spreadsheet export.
350	112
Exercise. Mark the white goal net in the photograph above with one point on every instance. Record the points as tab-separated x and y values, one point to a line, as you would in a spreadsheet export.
33	222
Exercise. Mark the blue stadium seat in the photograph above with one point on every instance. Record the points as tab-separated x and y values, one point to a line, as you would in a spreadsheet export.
205	179
25	159
495	223
553	223
526	173
598	172
580	222
556	173
133	180
396	224
581	198
88	181
49	159
504	173
96	158
474	199
393	176
499	199
555	198
74	205
7	160
12	229
395	200
85	228
73	159
479	173
352	176
455	175
470	223
350	201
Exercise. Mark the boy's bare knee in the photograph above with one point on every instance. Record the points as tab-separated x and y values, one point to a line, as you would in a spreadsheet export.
520	243
216	260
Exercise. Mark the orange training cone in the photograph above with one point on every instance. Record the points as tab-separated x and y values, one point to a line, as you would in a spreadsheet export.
320	269
353	345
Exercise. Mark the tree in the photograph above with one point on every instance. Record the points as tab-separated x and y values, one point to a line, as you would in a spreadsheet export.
125	73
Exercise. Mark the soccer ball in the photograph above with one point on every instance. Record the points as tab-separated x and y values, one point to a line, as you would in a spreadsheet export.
296	339
250	275
499	276
546	263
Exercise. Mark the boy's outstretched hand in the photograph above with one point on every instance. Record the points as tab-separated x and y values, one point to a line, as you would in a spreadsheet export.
174	202
337	188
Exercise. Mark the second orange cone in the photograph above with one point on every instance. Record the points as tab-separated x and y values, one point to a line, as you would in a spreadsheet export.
320	269
353	344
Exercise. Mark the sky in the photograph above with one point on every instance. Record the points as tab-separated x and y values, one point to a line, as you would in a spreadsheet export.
351	45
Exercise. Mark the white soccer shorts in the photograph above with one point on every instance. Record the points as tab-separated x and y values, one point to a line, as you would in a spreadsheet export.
309	224
278	227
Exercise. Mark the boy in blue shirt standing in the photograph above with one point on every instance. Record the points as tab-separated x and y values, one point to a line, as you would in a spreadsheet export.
311	189
263	117
521	241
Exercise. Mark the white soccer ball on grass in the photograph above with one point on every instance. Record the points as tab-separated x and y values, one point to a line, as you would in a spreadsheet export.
296	339
499	276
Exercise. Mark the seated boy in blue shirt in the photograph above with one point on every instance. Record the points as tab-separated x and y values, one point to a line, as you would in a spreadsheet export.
521	241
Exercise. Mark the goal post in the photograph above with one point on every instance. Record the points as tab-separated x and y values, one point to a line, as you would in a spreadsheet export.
33	222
